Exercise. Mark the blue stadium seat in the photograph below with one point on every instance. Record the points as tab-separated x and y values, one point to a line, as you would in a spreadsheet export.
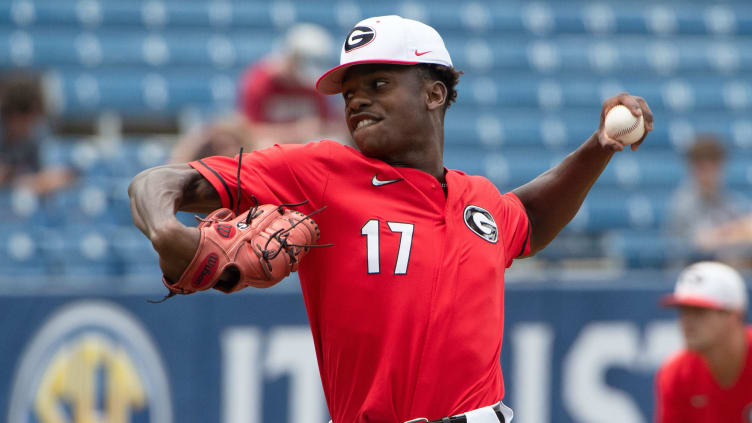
120	207
553	93
80	203
643	249
613	210
739	173
138	93
541	18
135	156
20	252
536	73
133	251
469	126
81	251
22	206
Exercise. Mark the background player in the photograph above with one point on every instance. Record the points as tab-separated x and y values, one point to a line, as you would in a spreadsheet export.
406	309
277	97
711	380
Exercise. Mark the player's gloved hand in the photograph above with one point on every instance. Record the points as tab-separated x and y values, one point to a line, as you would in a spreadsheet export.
257	248
638	106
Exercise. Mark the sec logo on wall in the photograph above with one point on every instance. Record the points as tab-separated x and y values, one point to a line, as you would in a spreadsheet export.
91	361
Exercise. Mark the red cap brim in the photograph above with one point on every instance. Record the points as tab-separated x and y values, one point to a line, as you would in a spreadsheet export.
331	81
673	301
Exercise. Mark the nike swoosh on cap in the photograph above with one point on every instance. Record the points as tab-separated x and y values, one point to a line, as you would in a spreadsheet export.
377	182
417	53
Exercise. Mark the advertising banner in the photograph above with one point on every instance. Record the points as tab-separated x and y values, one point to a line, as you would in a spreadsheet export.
570	355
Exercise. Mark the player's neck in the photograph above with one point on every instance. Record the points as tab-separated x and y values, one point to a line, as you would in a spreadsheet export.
429	159
726	360
433	166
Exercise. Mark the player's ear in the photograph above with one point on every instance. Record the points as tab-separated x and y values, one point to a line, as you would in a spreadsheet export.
436	94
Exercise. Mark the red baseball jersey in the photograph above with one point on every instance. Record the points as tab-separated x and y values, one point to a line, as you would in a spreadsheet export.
407	307
688	393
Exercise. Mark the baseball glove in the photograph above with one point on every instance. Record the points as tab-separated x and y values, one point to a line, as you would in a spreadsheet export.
257	248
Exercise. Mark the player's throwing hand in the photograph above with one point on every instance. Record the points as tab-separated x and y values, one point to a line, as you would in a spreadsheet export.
639	108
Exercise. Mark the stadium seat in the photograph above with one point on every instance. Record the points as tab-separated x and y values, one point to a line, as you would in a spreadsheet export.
535	76
133	251
133	156
644	249
23	205
20	252
81	250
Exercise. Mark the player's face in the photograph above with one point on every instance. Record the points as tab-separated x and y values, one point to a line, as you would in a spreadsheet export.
703	328
385	109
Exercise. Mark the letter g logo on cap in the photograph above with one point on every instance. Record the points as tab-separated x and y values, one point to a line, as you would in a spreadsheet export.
358	37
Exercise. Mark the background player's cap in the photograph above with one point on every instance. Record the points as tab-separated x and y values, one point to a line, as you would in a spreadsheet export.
709	284
312	49
386	39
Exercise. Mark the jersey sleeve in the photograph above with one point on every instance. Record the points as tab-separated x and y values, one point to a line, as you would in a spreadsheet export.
666	408
515	228
282	174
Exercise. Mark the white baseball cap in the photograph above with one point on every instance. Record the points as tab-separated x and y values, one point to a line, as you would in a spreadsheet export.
711	285
313	47
386	39
309	40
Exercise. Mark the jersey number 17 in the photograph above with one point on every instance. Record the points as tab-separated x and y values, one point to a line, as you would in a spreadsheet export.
371	231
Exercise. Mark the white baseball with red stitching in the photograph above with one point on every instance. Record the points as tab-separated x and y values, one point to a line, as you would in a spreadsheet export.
621	125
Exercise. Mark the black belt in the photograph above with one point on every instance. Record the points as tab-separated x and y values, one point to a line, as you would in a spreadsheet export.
462	419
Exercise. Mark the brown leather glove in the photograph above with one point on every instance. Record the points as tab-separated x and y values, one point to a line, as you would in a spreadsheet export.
258	248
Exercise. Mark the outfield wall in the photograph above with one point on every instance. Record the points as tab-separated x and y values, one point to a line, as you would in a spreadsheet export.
571	354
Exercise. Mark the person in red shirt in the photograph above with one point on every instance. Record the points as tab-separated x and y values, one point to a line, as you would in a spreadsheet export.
407	307
277	103
711	380
276	94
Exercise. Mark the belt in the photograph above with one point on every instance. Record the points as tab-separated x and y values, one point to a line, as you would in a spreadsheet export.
481	415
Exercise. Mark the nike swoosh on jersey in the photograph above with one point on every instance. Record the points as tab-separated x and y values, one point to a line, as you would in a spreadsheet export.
421	53
377	182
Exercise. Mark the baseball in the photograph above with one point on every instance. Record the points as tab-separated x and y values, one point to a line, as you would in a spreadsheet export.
621	125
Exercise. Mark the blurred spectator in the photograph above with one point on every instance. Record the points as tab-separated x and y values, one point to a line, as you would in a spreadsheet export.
703	204
223	138
278	96
733	239
277	101
22	131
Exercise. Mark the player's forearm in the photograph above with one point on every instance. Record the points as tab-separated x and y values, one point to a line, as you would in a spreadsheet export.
553	198
156	195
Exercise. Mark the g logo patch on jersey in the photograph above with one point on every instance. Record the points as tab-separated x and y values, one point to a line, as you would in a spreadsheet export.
481	222
92	361
358	37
